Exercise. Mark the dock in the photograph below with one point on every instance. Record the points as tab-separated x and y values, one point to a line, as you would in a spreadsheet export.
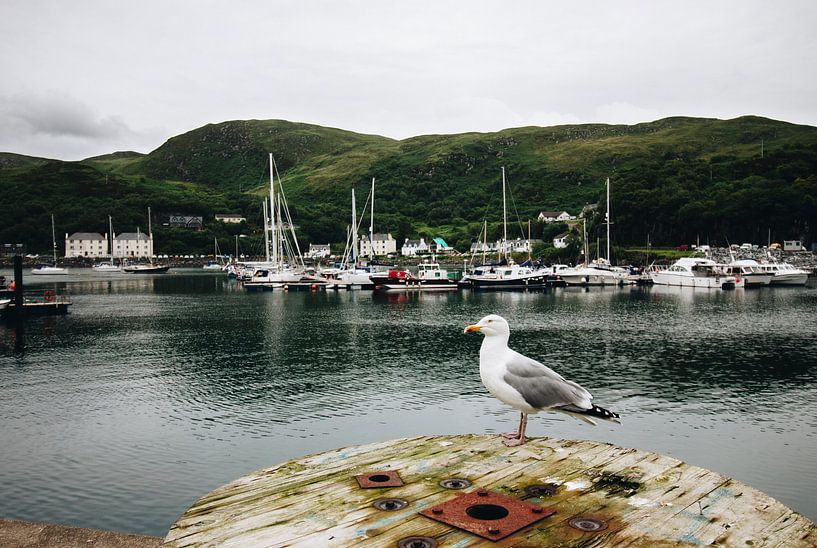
470	490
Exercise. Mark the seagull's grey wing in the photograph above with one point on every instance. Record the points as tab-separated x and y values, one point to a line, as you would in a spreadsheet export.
541	386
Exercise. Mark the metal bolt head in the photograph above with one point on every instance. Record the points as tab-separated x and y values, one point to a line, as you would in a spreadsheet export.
437	511
482	493
493	531
536	510
417	542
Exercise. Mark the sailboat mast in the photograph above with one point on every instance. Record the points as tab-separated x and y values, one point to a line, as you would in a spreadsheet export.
608	221
266	229
504	217
371	227
354	230
271	226
586	251
150	238
110	229
485	238
54	239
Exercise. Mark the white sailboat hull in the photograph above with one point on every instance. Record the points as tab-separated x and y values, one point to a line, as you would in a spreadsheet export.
49	271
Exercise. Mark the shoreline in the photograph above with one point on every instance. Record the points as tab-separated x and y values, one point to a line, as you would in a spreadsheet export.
32	534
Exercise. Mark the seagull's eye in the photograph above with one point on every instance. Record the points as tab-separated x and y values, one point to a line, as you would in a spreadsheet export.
489	321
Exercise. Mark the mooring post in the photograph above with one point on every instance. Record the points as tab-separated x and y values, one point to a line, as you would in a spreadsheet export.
18	285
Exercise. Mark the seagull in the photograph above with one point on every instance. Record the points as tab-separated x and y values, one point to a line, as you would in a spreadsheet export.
526	384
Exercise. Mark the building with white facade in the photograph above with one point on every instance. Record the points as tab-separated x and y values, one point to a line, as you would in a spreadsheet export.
412	248
86	244
230	218
560	241
554	216
384	244
318	251
133	245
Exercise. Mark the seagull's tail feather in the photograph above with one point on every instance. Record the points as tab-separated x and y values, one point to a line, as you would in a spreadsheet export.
587	415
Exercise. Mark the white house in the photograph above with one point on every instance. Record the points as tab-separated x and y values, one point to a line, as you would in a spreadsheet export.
413	247
793	245
318	251
133	244
484	247
86	244
383	245
553	216
229	218
560	241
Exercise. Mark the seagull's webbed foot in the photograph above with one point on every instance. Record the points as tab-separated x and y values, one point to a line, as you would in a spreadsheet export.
510	435
513	442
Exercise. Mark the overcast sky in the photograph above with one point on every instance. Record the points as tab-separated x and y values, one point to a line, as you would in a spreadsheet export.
87	77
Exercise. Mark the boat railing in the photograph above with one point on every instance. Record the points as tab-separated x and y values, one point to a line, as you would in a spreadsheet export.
47	296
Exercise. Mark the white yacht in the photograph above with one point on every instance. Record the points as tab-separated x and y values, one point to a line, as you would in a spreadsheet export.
696	272
751	272
50	270
598	272
785	274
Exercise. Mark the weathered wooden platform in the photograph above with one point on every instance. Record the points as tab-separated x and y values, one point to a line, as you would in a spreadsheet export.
635	498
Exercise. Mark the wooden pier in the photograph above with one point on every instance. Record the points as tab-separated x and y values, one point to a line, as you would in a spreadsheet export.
601	494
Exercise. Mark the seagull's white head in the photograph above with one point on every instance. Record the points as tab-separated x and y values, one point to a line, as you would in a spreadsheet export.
491	326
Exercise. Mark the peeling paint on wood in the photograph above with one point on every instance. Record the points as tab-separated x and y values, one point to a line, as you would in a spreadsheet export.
645	499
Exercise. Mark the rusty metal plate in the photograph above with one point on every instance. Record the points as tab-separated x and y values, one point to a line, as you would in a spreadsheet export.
490	515
372	480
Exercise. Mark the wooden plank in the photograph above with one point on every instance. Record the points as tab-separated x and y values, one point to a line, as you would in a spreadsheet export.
645	499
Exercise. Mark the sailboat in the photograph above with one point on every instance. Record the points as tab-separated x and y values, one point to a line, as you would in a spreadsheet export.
52	270
349	275
284	267
108	267
506	274
599	271
214	264
149	268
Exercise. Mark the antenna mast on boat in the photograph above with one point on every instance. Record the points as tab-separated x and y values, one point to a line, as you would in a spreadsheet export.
504	218
586	250
371	227
110	229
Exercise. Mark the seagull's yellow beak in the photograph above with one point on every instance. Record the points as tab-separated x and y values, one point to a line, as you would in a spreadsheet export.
471	328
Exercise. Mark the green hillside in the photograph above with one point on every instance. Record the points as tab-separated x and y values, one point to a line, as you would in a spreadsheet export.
675	179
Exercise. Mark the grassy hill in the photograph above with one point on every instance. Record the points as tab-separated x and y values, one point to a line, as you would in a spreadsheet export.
673	179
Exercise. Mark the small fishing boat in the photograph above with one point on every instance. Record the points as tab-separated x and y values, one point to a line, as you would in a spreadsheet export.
430	277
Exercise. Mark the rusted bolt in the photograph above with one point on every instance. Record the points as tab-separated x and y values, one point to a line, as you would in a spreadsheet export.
455	483
482	493
390	505
493	531
536	510
437	511
417	542
587	524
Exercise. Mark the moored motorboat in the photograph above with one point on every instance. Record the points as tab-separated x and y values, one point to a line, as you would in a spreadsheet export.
696	272
508	276
750	271
430	277
785	274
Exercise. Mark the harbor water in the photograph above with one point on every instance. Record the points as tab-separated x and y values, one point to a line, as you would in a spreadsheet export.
155	390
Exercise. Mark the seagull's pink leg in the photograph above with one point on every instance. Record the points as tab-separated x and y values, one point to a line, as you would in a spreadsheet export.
515	435
523	423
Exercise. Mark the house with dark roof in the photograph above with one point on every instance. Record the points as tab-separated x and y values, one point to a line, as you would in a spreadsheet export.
86	244
412	248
